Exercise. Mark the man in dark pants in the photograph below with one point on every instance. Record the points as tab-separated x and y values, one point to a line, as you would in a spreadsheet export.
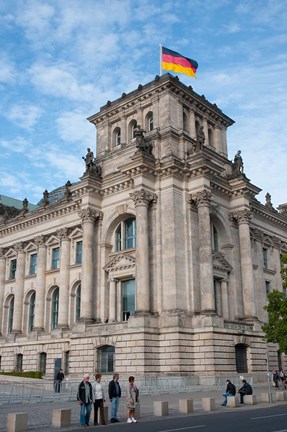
59	379
114	395
85	398
246	389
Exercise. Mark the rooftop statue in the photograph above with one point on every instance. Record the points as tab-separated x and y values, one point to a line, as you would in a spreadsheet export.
200	137
237	165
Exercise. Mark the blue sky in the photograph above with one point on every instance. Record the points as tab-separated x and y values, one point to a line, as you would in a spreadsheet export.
61	60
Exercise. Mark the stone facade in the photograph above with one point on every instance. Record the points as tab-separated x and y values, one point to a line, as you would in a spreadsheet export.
156	262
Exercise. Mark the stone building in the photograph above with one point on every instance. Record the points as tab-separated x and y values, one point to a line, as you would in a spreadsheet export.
156	262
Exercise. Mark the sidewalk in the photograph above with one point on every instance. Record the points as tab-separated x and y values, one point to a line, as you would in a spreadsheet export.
40	414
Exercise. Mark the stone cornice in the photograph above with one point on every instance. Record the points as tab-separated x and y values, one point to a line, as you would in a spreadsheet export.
37	217
269	215
166	83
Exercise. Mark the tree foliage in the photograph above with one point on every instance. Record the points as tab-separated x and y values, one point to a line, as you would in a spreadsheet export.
276	328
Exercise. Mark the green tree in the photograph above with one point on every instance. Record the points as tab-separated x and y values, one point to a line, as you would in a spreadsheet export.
276	328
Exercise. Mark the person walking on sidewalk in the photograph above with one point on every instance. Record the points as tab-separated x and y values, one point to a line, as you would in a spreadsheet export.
230	391
85	398
114	395
132	399
98	399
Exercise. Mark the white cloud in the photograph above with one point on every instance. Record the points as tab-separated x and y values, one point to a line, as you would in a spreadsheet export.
24	115
73	127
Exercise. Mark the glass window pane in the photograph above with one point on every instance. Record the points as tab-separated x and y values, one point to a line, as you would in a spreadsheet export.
11	313
79	250
78	303
32	312
55	309
13	266
33	264
55	258
130	233
128	299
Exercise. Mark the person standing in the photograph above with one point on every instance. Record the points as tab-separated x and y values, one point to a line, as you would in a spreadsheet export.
246	389
114	395
230	391
60	377
98	399
132	399
85	398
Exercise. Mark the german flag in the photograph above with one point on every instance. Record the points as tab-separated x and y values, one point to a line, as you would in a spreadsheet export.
174	61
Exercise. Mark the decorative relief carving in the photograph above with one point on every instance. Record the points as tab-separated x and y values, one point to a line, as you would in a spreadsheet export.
120	262
142	197
220	263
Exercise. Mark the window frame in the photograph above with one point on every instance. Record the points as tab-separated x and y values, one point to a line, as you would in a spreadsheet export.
79	252
125	240
32	304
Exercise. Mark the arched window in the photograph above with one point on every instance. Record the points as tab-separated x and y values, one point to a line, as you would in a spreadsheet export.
42	362
241	358
149	124
32	311
117	136
11	314
55	309
215	238
106	356
125	235
78	303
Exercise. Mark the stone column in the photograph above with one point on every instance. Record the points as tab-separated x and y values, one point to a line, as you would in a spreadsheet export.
205	130
202	200
192	125
224	300
88	217
112	300
243	219
19	289
142	199
40	283
218	139
64	278
2	285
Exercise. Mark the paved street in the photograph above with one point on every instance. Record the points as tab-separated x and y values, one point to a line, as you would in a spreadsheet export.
40	414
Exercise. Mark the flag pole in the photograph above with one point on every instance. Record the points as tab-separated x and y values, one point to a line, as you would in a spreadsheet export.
160	59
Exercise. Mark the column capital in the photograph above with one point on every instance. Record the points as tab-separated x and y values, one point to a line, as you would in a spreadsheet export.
39	240
63	234
89	215
19	247
143	197
243	216
202	198
276	242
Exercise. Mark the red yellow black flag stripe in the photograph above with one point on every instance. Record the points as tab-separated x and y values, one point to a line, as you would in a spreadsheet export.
171	60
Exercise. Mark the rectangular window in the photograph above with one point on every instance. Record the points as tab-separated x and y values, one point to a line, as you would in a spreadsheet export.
130	234
265	258
33	264
13	266
128	299
55	258
42	362
19	362
79	250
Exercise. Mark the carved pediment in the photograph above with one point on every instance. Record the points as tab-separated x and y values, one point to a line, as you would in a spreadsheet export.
120	262
220	263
